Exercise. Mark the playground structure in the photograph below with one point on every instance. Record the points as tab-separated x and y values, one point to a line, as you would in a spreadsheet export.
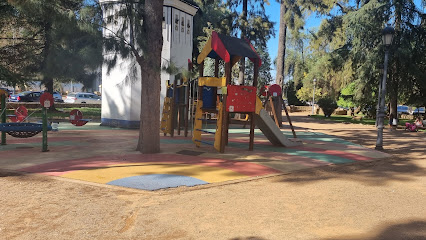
176	106
271	95
20	129
218	95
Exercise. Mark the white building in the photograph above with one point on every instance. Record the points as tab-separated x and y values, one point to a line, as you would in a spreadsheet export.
121	92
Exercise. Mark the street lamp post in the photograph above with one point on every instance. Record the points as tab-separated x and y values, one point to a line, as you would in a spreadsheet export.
313	97
379	96
387	34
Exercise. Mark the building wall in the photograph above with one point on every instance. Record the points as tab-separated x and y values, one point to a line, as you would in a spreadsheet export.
117	83
121	102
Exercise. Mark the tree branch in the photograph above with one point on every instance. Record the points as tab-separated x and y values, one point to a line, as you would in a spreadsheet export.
342	8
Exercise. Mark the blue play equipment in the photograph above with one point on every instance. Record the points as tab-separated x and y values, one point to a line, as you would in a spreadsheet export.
22	130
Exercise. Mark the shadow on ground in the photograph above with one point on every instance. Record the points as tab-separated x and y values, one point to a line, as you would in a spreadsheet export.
413	230
247	238
408	149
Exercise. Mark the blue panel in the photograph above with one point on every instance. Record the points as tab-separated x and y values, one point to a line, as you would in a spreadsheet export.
209	99
157	181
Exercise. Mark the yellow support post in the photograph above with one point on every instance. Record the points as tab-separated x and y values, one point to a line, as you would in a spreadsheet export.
218	134
166	120
198	124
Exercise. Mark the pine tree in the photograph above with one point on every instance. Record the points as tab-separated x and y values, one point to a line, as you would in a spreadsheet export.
50	41
350	43
252	24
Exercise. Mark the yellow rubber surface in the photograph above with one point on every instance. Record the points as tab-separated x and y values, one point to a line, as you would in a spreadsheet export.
114	172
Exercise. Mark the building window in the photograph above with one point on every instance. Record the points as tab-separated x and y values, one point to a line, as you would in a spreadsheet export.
164	20
188	27
183	25
176	22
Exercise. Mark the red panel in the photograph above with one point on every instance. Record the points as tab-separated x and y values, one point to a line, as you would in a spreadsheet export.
219	47
254	50
241	99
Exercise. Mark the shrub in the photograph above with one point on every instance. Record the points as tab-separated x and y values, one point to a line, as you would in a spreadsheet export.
328	105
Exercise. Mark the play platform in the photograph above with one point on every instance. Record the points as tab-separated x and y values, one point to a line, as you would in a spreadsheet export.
103	155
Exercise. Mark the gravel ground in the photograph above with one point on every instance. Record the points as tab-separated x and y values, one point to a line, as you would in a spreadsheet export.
384	199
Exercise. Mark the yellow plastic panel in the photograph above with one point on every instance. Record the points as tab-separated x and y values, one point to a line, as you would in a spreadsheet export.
205	52
212	81
259	105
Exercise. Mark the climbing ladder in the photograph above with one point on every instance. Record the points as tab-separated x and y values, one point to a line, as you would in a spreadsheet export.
198	127
210	84
166	119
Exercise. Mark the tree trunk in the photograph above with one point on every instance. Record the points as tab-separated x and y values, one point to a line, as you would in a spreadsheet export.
47	80
279	79
394	66
48	83
243	35
393	94
149	135
281	46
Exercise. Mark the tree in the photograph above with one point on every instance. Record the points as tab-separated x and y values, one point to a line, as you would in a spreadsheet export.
213	15
139	36
349	41
409	40
305	93
252	24
291	16
290	91
346	98
49	39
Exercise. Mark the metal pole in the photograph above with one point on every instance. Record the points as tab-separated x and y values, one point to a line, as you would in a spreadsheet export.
381	115
3	117
378	103
313	99
44	147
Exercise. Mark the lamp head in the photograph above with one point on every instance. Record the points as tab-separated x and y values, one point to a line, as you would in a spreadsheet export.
387	35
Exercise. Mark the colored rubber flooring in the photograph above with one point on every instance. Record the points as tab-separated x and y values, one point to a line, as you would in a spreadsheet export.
107	156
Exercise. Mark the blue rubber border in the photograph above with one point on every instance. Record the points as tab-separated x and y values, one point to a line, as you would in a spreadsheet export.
119	123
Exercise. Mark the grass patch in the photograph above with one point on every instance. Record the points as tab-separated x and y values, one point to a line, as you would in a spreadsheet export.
365	121
62	113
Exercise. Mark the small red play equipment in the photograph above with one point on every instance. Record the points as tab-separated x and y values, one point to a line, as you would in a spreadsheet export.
46	100
21	113
76	118
274	90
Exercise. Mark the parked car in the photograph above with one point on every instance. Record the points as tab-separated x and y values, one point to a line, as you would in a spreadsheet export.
57	97
82	97
416	111
9	92
402	109
27	96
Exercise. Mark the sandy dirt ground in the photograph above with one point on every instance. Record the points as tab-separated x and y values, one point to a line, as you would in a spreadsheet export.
384	199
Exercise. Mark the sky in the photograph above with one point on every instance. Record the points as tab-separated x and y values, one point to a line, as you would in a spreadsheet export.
312	21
